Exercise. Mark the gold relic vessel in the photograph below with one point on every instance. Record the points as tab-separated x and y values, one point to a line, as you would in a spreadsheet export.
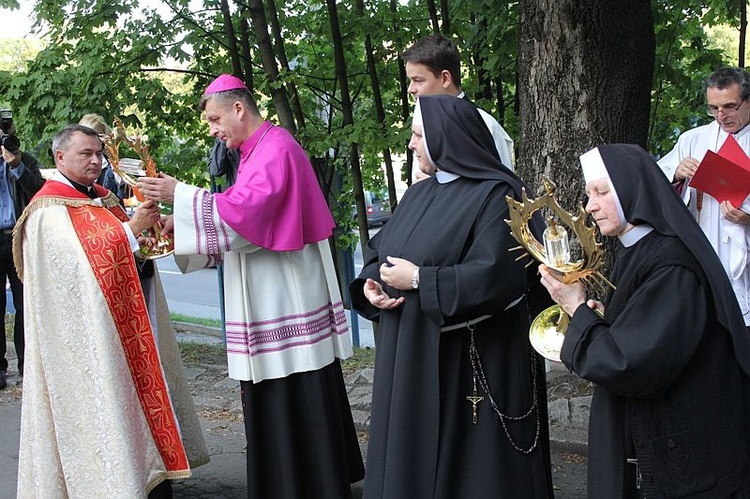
547	330
129	169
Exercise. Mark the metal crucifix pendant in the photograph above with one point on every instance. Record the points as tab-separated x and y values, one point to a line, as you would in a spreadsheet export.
474	399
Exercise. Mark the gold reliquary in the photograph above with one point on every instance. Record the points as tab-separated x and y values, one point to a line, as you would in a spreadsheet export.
547	331
156	244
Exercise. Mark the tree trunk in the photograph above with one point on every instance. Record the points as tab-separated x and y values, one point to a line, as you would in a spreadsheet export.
268	58
348	120
403	95
743	32
483	76
585	72
445	11
234	52
499	99
281	53
377	100
247	54
432	9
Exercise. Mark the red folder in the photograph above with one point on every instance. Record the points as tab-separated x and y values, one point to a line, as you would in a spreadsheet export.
724	175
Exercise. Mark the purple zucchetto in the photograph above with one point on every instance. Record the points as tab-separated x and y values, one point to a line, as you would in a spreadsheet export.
223	83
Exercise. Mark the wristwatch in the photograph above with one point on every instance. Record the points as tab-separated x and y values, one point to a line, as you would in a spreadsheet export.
415	278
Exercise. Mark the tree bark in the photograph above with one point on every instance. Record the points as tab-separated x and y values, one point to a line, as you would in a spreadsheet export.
585	72
268	58
403	94
281	53
483	76
445	11
234	52
432	10
247	54
499	99
743	32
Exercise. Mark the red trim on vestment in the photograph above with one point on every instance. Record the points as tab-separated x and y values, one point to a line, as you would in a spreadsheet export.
107	248
55	188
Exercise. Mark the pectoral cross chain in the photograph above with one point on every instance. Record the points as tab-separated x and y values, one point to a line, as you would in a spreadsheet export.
474	399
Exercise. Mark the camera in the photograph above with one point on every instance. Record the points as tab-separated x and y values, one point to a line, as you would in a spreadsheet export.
7	140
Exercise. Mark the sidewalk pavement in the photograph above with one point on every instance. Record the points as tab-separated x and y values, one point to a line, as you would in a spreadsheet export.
217	399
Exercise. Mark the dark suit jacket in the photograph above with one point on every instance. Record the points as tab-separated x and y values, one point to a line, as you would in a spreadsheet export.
22	189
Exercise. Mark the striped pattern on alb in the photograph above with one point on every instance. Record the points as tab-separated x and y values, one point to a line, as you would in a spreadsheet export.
282	333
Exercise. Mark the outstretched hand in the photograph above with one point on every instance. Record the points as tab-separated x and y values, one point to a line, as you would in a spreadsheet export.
167	224
377	297
144	217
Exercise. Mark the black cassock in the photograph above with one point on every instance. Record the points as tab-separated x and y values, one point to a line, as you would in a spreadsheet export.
669	390
423	442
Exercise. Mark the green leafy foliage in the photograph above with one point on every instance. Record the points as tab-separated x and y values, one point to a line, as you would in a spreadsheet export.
362	358
683	60
148	63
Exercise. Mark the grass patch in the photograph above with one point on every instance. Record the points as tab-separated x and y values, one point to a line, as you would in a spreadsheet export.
361	359
194	354
196	320
202	353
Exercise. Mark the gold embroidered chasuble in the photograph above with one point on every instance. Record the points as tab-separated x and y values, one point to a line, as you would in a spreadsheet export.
98	414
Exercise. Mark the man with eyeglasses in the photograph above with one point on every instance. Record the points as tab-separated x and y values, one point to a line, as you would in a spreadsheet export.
727	227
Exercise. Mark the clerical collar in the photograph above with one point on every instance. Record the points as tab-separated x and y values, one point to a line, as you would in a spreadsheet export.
445	177
723	134
248	146
635	234
88	190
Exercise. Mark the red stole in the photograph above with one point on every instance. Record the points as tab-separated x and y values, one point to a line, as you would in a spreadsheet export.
107	248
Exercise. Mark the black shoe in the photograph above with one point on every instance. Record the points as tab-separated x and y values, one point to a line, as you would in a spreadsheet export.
2	380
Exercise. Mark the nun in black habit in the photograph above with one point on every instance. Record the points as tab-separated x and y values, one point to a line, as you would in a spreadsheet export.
671	357
459	405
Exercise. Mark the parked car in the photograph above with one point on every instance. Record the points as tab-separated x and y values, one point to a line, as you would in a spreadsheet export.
378	208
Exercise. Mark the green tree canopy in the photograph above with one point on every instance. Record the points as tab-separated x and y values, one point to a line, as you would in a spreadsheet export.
149	62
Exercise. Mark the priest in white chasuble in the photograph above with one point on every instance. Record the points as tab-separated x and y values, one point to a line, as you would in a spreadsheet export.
106	409
726	226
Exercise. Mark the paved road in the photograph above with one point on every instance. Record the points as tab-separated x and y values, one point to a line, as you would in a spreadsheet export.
10	416
197	295
193	295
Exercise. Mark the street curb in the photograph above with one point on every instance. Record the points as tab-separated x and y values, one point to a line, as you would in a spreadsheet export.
569	447
187	327
569	420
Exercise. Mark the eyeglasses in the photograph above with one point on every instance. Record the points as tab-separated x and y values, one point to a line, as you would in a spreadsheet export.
728	109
